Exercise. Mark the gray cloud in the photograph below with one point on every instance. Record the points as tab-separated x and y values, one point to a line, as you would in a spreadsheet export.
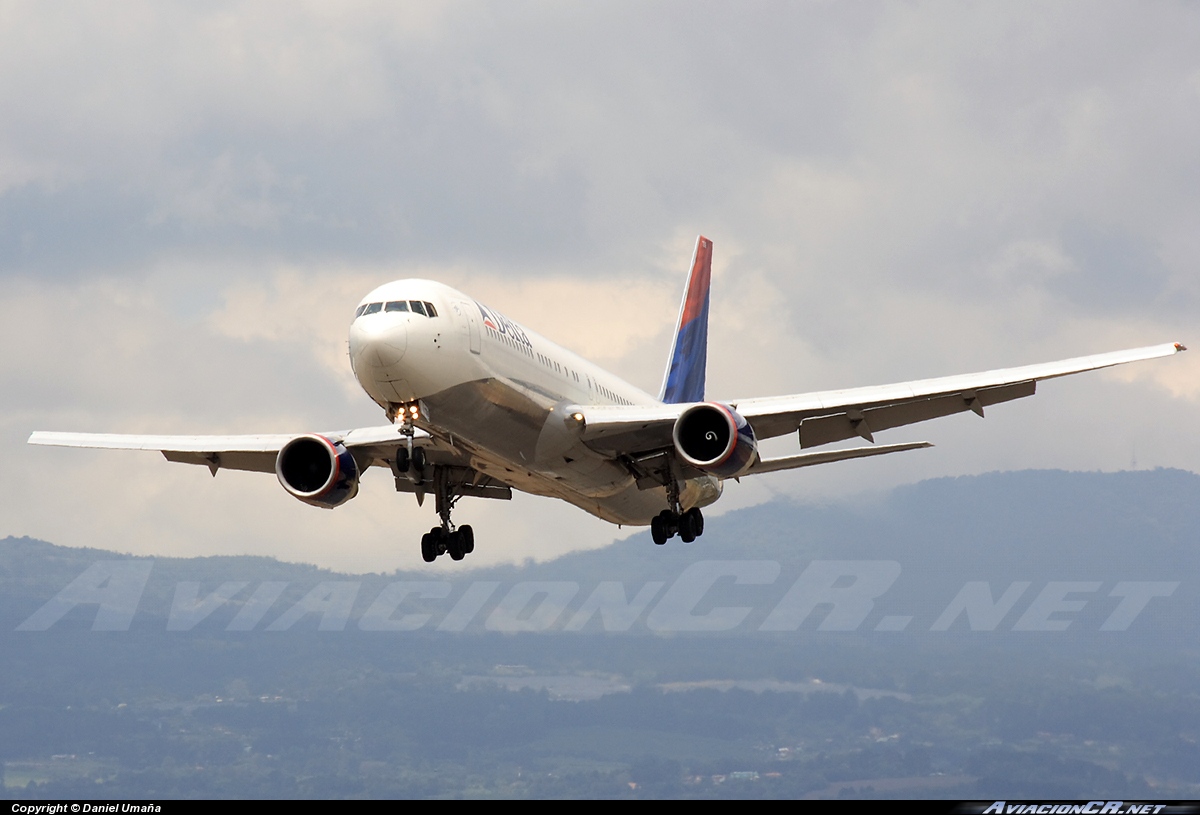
894	191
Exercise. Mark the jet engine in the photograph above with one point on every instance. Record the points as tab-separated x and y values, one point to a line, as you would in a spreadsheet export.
317	471
715	438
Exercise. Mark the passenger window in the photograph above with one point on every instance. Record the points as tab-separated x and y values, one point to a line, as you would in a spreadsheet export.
396	305
417	307
358	312
373	308
430	310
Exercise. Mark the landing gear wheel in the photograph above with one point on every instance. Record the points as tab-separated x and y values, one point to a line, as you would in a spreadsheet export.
687	528
468	539
418	458
658	530
697	519
437	541
402	460
429	550
454	545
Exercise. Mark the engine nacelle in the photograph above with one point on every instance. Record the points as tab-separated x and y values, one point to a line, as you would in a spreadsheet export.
715	438
317	471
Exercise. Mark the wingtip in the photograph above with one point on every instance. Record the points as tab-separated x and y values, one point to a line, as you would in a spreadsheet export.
1180	347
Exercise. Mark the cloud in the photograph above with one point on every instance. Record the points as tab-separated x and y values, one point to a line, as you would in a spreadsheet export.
193	198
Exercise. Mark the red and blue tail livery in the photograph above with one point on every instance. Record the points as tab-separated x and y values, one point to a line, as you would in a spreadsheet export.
684	379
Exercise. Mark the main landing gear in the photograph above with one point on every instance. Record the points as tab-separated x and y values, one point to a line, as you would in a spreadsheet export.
411	466
688	525
675	520
446	539
438	541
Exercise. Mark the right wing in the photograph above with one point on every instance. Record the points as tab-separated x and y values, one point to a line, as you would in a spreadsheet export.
831	416
828	416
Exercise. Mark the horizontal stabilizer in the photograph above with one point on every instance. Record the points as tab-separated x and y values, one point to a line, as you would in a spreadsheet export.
771	465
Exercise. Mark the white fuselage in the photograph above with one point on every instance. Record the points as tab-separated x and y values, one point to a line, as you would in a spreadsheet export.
502	394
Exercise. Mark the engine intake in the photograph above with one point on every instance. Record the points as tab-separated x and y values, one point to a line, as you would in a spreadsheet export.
317	471
715	438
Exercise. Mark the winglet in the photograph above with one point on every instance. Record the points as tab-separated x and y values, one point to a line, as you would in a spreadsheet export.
684	377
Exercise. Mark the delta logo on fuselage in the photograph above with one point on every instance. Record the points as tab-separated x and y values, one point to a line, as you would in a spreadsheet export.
502	325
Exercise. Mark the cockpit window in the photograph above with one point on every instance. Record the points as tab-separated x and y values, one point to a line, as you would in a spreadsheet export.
422	307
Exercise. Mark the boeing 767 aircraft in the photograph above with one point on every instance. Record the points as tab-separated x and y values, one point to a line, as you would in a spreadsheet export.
480	406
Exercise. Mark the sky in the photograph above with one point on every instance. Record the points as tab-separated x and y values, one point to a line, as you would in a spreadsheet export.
194	197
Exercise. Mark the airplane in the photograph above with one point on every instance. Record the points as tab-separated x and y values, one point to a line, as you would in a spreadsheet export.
479	405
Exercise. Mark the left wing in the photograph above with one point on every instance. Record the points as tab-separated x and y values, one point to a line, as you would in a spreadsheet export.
257	453
380	446
828	416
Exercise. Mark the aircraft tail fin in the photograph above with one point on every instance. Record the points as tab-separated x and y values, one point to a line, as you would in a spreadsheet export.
684	378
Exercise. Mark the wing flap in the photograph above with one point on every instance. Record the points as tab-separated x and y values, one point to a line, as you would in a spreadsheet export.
262	462
772	465
864	423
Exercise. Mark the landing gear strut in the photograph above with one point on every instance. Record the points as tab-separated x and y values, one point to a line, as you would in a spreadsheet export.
688	525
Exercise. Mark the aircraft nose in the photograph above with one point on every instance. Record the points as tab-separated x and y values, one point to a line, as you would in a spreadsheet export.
378	340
